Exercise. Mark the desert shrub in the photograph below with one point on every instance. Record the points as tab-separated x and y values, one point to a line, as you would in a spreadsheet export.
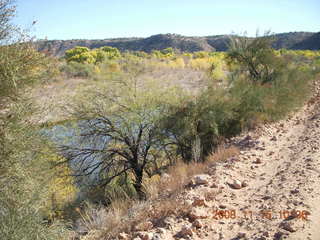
167	52
192	128
134	66
125	110
267	85
247	102
175	63
256	58
254	103
199	64
23	177
78	70
105	54
289	92
198	125
20	65
140	54
99	55
156	54
51	70
111	52
218	68
201	54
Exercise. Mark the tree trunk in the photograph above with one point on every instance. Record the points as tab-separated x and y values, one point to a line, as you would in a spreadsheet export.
138	184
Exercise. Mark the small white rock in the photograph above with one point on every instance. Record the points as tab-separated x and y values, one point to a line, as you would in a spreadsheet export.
236	184
198	213
123	236
201	179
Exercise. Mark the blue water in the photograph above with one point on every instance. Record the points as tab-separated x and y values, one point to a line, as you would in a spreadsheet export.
68	137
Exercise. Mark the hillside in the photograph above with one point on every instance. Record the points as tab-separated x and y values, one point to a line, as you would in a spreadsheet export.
312	43
293	40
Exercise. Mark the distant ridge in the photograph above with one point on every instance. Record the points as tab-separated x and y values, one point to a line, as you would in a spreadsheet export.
291	40
311	43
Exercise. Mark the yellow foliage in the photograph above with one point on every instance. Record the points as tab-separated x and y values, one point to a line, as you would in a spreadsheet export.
200	54
175	63
305	53
180	63
114	67
97	69
218	68
200	64
187	55
61	189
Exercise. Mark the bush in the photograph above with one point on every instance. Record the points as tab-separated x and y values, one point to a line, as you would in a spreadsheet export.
260	92
167	52
20	65
78	70
254	104
80	55
23	177
124	110
193	128
111	52
256	58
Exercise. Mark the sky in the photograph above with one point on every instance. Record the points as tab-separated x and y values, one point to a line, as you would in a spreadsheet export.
101	19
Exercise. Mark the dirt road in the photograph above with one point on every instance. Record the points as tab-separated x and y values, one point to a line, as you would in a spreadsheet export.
282	170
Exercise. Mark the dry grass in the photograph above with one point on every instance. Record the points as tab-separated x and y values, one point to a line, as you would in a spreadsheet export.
178	176
222	154
124	215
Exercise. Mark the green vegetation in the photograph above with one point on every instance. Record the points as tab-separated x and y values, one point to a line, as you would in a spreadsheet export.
84	55
25	172
151	118
151	126
130	121
256	57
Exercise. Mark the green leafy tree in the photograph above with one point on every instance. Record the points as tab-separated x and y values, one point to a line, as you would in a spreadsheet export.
255	57
192	128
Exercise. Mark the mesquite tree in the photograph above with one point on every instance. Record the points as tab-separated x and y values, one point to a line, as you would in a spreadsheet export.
255	57
125	114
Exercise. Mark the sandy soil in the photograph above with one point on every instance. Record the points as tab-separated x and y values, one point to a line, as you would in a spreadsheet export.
278	197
